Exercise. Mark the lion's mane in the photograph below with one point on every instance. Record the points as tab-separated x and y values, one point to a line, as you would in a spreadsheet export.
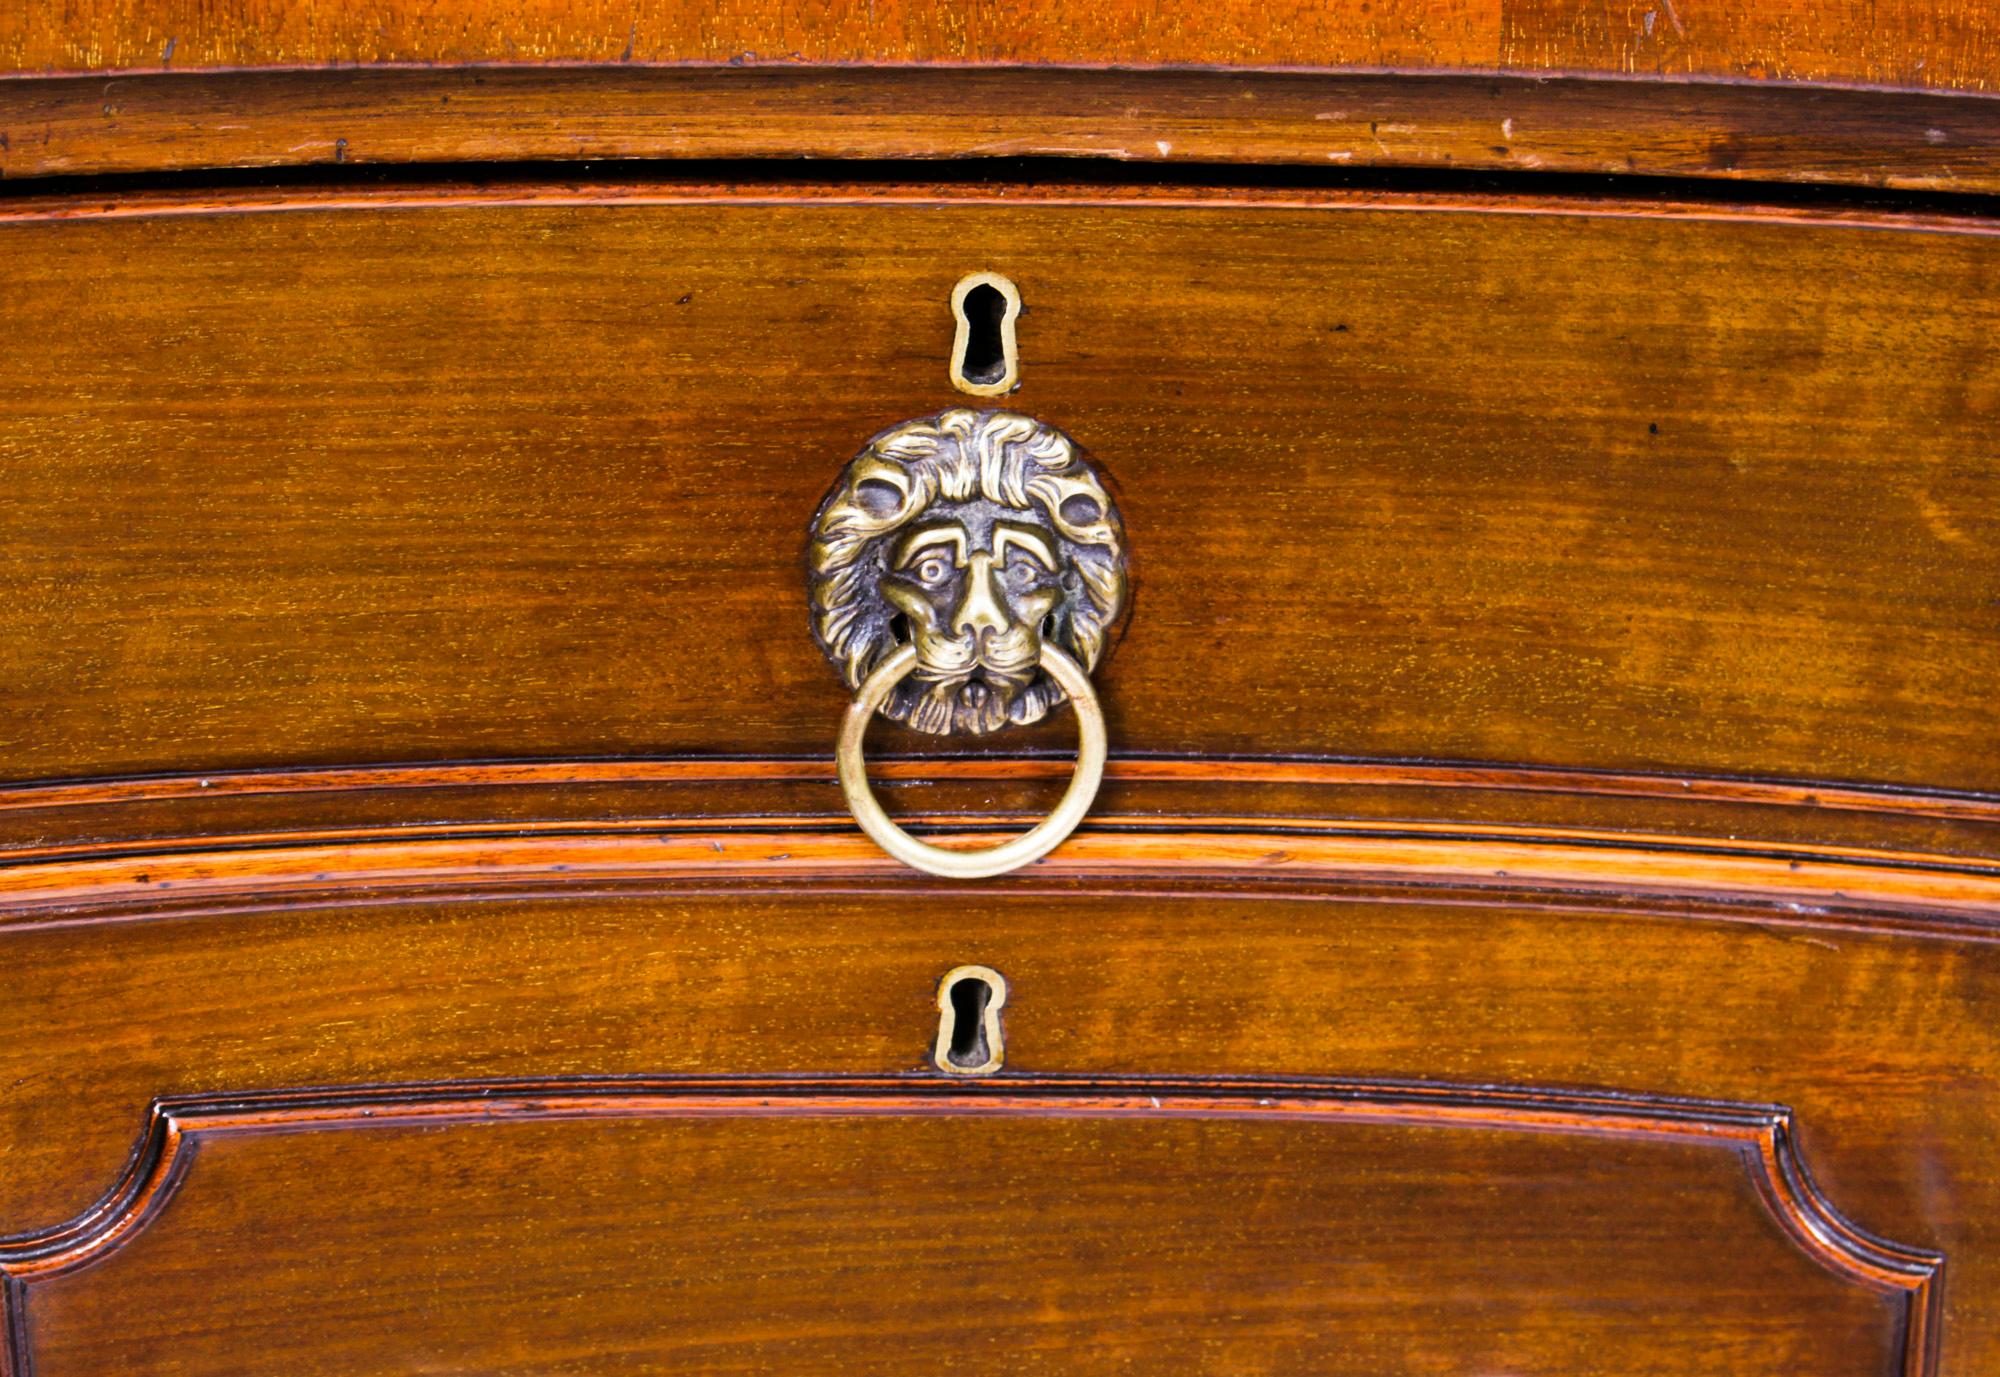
957	456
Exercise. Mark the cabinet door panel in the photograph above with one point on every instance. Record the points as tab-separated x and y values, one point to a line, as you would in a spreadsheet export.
897	1228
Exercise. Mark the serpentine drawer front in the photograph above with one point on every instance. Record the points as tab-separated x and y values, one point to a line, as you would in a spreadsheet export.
897	774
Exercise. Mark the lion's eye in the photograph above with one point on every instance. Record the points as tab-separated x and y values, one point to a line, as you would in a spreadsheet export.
931	570
1023	573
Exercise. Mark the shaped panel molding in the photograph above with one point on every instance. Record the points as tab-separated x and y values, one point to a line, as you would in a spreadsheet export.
903	1224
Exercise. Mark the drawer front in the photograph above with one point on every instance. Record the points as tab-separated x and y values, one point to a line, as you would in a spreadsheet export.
1539	917
1284	1132
836	1227
380	482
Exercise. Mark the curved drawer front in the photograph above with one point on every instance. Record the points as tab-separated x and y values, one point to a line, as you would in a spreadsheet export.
1538	918
834	1227
703	1120
444	479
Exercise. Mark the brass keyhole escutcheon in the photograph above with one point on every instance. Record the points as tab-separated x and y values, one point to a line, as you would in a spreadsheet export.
985	357
970	1041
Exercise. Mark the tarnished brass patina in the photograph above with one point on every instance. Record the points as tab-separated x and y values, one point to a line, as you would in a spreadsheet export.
967	572
973	536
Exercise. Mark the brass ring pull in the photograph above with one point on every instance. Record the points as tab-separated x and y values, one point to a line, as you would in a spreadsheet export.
998	860
966	572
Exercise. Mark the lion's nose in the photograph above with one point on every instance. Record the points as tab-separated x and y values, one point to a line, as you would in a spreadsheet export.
980	609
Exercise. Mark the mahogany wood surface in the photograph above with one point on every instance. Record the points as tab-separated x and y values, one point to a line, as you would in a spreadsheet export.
1543	912
1893	890
349	118
1948	44
446	477
836	1226
1878	1043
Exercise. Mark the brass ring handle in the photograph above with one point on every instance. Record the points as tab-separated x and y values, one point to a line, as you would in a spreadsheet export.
972	865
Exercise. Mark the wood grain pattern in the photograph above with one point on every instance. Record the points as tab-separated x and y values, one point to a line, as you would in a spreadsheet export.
1914	892
1879	1043
358	483
1559	796
1950	44
349	780
185	122
119	34
1334	1235
1329	799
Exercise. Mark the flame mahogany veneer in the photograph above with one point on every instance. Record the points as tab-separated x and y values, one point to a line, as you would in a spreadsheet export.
1543	911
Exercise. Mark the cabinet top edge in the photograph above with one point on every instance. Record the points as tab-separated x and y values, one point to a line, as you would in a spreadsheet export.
1160	119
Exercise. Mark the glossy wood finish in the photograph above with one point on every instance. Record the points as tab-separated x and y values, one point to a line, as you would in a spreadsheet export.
1543	914
1951	44
491	479
1934	893
353	118
842	1224
1878	1043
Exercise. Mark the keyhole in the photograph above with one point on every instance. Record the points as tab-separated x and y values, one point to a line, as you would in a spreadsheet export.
969	1038
984	358
969	999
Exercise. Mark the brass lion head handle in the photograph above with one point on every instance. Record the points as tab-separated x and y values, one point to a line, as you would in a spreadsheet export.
966	573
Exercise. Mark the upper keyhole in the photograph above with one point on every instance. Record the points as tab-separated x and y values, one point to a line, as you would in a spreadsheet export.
984	359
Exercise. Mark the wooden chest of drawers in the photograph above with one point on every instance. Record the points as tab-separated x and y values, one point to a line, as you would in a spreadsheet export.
1539	913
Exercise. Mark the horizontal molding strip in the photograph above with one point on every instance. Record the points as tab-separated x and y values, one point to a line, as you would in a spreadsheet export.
1817	890
1761	1136
946	825
1183	770
126	203
1782	133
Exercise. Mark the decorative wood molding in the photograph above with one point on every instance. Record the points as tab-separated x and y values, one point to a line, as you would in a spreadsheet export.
1276	770
1819	890
255	859
185	121
126	204
1760	1136
62	844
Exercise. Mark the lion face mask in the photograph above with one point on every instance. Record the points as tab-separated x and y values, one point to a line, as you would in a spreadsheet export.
973	536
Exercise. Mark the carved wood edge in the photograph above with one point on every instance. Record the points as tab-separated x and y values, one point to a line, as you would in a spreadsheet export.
1761	1136
1817	887
656	191
1279	770
71	124
771	825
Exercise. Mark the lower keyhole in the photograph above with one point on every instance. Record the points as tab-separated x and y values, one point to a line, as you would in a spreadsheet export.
969	998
